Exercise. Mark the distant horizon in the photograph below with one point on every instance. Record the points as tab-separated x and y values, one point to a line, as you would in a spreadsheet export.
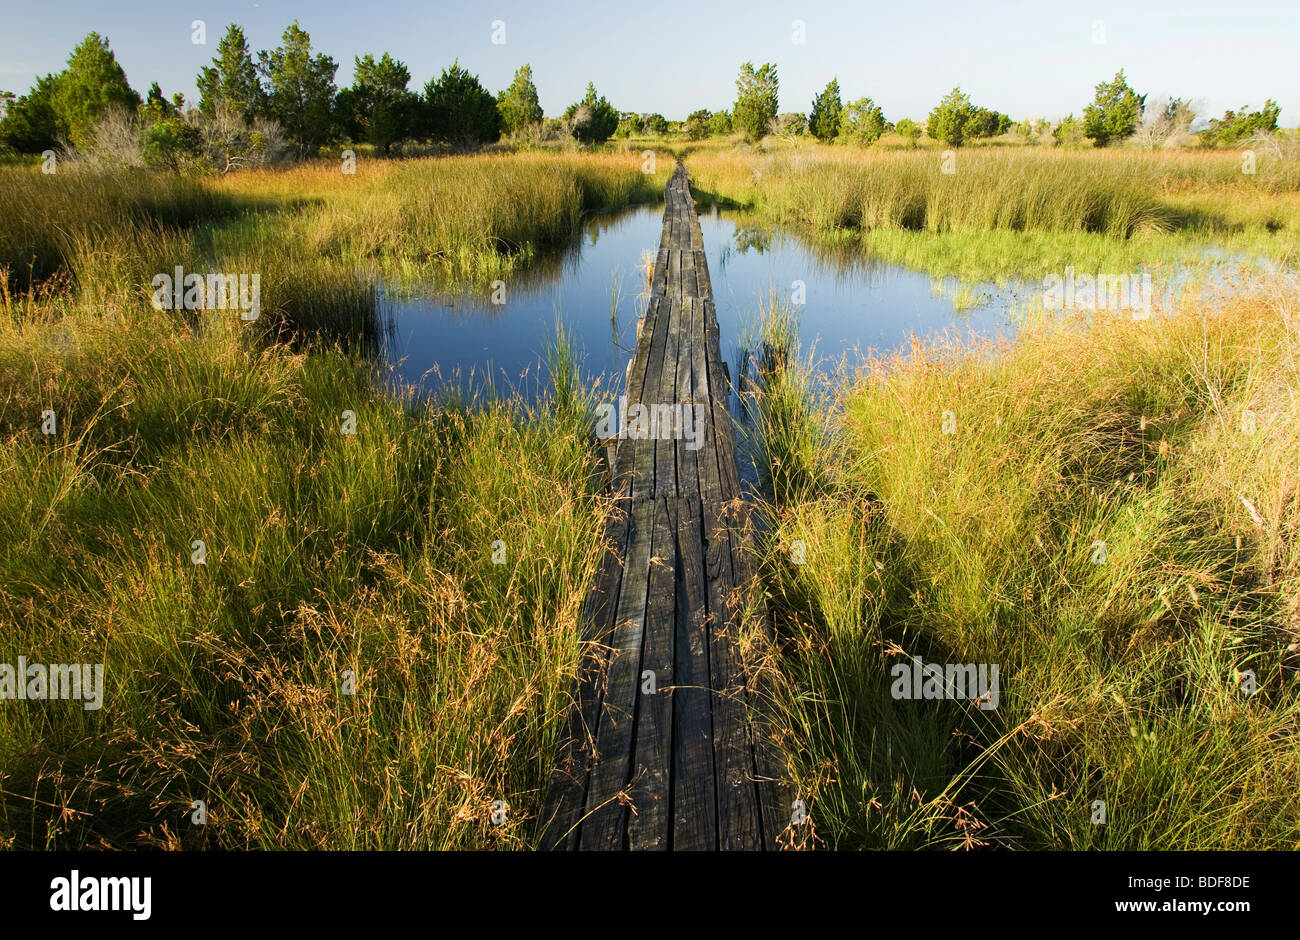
1024	60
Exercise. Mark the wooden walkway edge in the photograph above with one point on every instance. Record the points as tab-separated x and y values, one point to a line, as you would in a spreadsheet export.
659	750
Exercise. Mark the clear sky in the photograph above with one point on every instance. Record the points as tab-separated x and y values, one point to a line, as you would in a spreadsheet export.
1028	59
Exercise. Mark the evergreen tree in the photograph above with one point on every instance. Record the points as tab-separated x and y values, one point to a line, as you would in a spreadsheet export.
378	108
949	120
31	125
300	89
459	110
827	112
92	83
519	104
1114	112
756	105
594	119
231	80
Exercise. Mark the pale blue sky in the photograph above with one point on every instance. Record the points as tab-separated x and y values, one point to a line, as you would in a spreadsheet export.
1028	59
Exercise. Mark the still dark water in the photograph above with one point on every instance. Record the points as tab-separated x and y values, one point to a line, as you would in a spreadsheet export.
851	305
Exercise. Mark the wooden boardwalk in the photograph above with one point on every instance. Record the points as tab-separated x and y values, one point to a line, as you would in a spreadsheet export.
659	751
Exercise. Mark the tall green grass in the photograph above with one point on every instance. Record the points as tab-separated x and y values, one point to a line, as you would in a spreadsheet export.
437	557
779	402
326	552
1121	681
320	239
49	220
1017	211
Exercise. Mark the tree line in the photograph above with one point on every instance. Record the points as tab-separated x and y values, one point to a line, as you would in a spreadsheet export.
1116	113
283	99
253	107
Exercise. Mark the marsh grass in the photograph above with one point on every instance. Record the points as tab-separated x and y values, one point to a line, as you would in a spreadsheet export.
326	552
779	402
1017	211
50	219
319	239
373	552
1120	681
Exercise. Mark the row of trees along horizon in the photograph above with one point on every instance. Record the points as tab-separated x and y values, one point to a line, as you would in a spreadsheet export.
254	109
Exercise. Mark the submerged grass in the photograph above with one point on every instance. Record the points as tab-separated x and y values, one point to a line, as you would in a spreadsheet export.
1169	442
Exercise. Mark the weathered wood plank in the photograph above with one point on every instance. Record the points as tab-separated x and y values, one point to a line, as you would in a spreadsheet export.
706	457
606	812
695	824
567	791
739	816
659	279
664	396
643	483
703	283
649	825
719	395
690	287
688	394
697	235
634	384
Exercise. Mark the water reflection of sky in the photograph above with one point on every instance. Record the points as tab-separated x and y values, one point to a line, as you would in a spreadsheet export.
853	303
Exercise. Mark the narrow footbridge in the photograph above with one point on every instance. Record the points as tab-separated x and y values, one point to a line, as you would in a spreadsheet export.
660	750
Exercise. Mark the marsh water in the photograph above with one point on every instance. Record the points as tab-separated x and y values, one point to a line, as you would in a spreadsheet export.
597	289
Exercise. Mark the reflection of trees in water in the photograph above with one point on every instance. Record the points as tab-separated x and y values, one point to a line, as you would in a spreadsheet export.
459	297
839	256
756	239
537	281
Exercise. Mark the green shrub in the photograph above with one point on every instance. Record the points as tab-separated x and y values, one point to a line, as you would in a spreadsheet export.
1114	113
1069	133
909	130
948	122
592	120
1236	126
697	124
864	122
